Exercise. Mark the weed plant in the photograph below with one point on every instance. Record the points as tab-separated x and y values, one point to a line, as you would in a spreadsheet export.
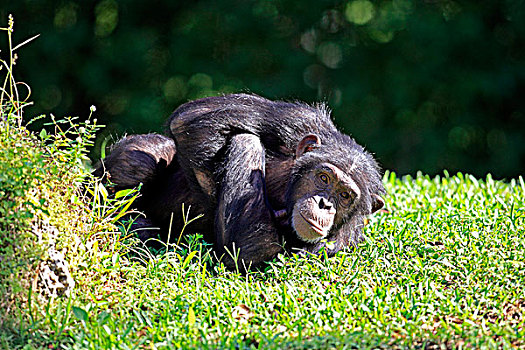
43	208
442	266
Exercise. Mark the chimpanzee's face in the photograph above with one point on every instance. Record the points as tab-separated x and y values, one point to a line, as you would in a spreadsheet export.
322	197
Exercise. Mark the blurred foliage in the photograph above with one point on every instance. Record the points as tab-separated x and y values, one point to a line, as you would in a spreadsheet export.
426	85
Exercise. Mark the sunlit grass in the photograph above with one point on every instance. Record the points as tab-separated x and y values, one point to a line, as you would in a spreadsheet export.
443	265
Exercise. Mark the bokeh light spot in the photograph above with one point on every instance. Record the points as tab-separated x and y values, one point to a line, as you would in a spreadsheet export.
313	75
380	36
65	16
201	80
175	89
106	17
359	11
309	40
330	54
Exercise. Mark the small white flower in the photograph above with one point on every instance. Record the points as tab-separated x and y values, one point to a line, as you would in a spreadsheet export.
92	109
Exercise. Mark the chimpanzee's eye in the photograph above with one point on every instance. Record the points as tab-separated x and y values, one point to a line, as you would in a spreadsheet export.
345	195
324	178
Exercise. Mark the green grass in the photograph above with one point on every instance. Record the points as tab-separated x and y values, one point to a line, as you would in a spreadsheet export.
444	265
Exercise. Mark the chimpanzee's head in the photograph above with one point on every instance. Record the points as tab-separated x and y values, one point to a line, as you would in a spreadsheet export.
332	185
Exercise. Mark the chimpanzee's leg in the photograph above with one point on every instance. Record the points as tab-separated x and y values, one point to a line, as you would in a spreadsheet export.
136	159
243	221
139	159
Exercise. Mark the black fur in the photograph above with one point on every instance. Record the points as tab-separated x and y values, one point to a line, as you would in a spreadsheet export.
233	160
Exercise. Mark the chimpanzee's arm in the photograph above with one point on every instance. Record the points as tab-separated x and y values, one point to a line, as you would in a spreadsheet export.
244	221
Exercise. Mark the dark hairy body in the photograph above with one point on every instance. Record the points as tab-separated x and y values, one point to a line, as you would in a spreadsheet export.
268	176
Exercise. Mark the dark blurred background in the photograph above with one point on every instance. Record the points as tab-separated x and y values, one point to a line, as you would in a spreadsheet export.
425	85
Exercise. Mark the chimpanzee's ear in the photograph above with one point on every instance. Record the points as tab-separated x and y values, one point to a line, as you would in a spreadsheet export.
308	143
377	203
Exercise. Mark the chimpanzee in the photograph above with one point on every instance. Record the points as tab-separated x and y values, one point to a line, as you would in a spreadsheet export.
268	176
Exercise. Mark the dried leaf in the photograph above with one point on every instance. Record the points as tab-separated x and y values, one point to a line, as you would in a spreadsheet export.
242	313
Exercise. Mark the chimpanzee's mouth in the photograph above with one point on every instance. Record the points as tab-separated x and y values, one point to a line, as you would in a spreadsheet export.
314	225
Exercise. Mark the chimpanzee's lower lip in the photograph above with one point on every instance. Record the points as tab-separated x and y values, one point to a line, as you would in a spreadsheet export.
317	229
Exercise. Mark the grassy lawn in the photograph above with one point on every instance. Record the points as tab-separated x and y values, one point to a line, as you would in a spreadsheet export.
443	266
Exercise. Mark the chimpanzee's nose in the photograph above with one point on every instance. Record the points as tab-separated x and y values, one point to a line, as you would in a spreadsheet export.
325	204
